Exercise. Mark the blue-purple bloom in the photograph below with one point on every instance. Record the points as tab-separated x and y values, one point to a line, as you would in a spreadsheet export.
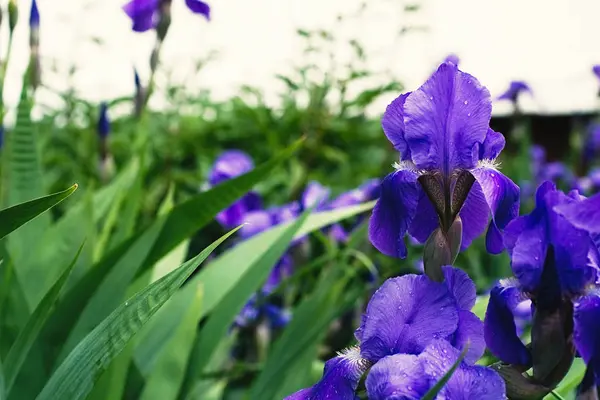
447	174
411	334
514	90
556	266
144	13
34	15
228	165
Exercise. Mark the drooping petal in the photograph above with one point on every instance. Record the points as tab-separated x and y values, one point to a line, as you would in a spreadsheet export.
469	332
399	317
199	7
461	286
426	219
399	376
315	195
446	120
340	379
492	145
393	125
499	327
229	164
584	215
502	197
142	14
475	214
394	212
586	317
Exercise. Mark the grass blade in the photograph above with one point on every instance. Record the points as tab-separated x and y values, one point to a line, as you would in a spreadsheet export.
75	377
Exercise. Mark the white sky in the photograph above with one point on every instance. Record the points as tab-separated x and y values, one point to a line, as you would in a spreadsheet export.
552	44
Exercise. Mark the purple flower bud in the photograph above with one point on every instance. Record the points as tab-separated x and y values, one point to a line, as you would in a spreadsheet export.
34	16
103	121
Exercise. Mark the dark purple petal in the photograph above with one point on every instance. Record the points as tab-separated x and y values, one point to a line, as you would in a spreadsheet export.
340	379
584	215
394	212
199	7
502	197
596	70
469	331
103	121
34	15
499	327
228	165
400	376
446	120
514	90
393	125
492	145
475	215
277	316
586	317
142	14
461	286
426	219
404	315
232	216
315	194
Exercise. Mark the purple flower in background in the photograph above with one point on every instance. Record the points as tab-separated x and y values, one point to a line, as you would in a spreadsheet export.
514	90
228	165
34	16
103	121
591	146
411	334
144	13
315	195
555	265
446	184
596	70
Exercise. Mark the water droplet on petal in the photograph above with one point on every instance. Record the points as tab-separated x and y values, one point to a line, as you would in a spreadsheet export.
466	102
469	114
430	97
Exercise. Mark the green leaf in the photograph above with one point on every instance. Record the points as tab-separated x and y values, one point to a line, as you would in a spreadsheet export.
571	381
75	377
17	215
224	272
22	345
167	376
233	300
433	392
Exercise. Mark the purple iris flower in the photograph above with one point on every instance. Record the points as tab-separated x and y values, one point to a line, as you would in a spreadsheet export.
514	90
446	183
592	142
411	334
34	16
555	265
596	70
315	195
228	165
144	13
103	121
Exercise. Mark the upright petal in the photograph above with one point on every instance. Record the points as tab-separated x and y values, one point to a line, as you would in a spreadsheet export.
492	145
393	125
142	14
475	214
399	376
446	120
340	379
499	327
461	286
199	7
426	219
584	215
502	197
394	212
404	315
586	317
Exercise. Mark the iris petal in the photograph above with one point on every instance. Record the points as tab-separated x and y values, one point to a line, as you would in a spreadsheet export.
502	197
141	13
586	319
499	327
475	382
229	164
315	194
469	331
584	215
461	286
199	7
394	212
400	376
393	125
475	215
426	219
398	317
492	145
446	120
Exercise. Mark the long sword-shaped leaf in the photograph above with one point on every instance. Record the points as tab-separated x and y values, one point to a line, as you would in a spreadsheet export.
20	348
13	217
75	377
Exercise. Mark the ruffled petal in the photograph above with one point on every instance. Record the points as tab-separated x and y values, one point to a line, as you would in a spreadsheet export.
400	376
399	317
199	7
461	286
469	331
492	145
142	13
426	219
584	215
502	197
586	317
340	379
446	120
394	213
475	215
499	327
393	125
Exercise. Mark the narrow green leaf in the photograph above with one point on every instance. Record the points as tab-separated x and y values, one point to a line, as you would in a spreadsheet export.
165	380
17	215
22	345
233	301
570	382
2	383
433	392
75	377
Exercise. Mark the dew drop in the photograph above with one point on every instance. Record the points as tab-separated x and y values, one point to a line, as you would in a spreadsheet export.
466	102
430	97
492	175
469	114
